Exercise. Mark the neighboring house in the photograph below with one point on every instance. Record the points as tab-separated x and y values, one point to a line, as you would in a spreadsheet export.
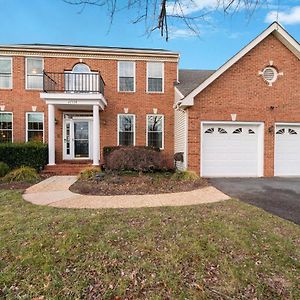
80	99
244	118
240	120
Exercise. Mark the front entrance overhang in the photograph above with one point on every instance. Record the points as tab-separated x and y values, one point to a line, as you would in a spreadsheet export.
80	101
70	101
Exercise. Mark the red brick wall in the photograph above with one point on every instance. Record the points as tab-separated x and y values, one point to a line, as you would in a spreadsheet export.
242	91
19	101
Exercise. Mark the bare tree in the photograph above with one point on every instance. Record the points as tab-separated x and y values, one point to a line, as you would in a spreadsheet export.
157	14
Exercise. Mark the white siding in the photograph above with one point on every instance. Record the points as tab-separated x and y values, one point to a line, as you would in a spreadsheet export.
181	136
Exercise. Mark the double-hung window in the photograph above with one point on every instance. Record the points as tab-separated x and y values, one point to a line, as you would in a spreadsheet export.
155	131
35	127
34	73
5	72
155	77
126	130
126	76
6	127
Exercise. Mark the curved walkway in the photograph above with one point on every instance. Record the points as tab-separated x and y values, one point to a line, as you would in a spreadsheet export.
55	192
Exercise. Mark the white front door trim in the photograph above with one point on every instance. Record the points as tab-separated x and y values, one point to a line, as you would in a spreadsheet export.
70	121
260	147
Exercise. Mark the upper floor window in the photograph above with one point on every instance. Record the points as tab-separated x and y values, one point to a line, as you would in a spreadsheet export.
81	68
155	130
126	76
35	126
6	127
34	73
126	130
5	72
155	77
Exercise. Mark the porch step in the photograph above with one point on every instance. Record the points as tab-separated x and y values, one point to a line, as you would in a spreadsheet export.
66	168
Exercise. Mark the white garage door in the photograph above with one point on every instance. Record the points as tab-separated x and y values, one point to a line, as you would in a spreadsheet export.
287	150
232	150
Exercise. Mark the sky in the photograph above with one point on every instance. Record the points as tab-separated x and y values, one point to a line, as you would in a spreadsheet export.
219	36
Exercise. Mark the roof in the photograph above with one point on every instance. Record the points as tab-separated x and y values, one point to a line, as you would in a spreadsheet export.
275	28
81	48
190	79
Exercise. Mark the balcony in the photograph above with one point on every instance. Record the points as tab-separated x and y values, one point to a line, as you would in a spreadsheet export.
73	83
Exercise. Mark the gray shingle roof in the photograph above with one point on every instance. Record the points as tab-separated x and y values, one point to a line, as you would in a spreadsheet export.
191	79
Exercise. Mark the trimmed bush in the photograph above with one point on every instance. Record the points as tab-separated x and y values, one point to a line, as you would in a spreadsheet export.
23	174
89	173
4	169
109	149
32	154
185	175
129	158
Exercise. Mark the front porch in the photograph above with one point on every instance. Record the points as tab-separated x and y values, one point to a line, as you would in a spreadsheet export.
80	119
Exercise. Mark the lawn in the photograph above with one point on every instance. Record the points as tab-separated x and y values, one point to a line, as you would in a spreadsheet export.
227	250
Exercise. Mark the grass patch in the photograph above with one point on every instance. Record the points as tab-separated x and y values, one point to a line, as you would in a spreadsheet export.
218	251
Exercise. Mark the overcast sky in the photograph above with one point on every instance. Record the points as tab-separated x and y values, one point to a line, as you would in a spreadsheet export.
53	21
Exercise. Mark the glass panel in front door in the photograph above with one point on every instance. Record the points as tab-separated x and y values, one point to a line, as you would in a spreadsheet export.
67	139
81	139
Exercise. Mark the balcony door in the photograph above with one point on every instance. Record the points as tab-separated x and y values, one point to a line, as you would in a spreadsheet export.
81	80
77	139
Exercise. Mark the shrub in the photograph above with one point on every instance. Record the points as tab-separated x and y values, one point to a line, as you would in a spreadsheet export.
32	154
89	173
109	149
24	174
135	159
4	169
185	176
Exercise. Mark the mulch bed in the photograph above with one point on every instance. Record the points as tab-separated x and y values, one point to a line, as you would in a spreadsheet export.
15	185
138	184
20	185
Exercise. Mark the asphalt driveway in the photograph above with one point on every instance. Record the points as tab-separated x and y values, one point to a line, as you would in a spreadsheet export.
279	196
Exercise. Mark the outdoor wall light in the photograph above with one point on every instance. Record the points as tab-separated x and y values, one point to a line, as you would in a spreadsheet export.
33	108
2	107
155	111
125	110
271	129
233	117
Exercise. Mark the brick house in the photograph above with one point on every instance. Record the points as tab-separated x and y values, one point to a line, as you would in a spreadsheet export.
244	118
240	120
80	99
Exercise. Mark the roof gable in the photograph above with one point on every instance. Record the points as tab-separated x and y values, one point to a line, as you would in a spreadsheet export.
275	28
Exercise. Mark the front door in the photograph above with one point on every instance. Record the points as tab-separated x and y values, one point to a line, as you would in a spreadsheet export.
77	139
81	139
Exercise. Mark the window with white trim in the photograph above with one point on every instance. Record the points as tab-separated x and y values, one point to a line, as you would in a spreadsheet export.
155	131
35	127
5	72
34	73
6	127
155	77
126	76
126	130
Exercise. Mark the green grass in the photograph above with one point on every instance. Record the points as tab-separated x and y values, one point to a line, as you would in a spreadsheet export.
218	251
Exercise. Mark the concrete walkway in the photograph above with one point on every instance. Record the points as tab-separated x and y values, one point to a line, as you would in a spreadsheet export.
55	192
